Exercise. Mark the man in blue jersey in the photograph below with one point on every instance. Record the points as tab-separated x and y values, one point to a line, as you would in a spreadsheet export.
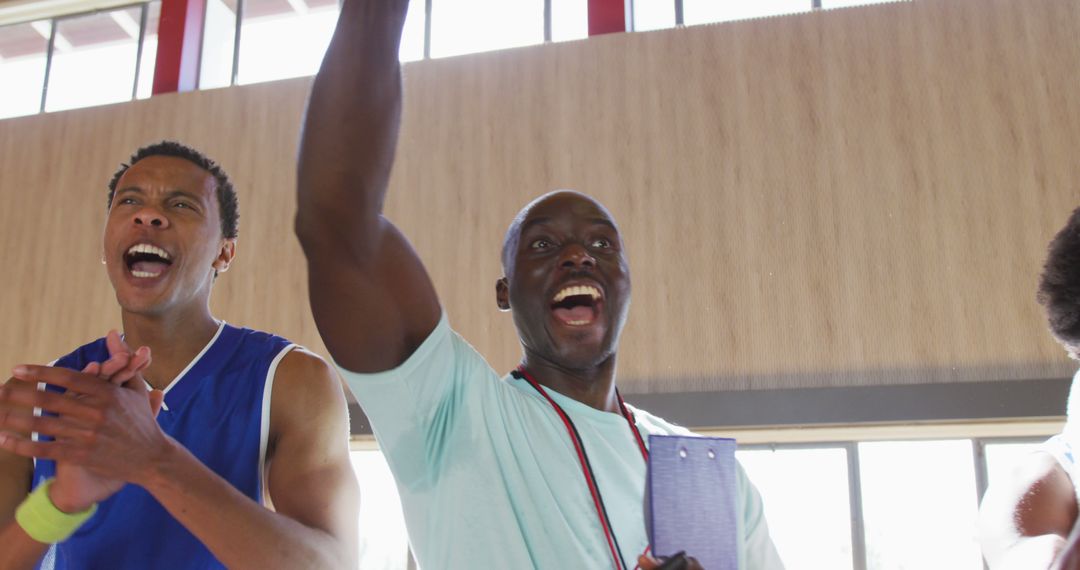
1028	520
246	464
543	468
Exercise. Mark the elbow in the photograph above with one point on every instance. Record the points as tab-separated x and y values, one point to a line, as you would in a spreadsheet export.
345	555
321	231
315	229
307	230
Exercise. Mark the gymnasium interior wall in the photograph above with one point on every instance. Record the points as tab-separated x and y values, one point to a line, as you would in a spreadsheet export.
839	199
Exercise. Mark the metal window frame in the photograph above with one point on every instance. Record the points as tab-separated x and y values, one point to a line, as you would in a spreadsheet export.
547	21
236	43
144	12
855	508
680	20
680	15
427	29
858	526
50	49
48	65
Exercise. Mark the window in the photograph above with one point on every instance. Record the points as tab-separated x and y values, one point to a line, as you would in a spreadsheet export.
919	493
807	504
468	26
847	3
569	20
653	14
23	49
910	493
284	38
383	540
94	59
219	42
412	33
704	11
148	57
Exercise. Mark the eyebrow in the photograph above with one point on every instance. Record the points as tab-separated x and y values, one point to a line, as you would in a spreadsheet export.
171	194
543	220
533	222
604	222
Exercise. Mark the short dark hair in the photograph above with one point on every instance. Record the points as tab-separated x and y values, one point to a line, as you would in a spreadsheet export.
226	194
1059	285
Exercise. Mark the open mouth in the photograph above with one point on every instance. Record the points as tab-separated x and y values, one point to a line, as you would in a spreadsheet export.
576	305
146	261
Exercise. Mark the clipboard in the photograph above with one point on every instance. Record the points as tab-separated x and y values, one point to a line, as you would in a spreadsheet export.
690	499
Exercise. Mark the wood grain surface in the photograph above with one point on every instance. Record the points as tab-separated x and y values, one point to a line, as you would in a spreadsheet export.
846	197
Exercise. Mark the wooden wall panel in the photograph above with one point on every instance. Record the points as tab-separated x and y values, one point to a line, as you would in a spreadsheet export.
849	197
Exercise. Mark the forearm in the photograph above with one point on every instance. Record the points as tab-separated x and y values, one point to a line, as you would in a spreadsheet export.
19	552
350	130
237	530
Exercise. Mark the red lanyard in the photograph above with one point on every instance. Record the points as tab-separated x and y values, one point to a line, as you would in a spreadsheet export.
583	459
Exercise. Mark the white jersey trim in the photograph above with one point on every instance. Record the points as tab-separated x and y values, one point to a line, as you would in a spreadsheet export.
194	361
264	431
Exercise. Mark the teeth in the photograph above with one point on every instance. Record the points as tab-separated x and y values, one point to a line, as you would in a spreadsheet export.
578	323
144	274
147	248
574	290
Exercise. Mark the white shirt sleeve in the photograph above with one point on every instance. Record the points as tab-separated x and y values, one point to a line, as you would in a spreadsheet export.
414	408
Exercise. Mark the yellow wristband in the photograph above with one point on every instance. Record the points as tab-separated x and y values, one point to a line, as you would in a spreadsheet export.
39	517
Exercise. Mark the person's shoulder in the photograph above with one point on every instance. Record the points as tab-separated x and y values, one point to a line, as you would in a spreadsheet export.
443	352
654	424
304	368
305	386
255	338
93	351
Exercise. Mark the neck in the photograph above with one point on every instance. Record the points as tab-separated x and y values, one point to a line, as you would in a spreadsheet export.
594	386
174	339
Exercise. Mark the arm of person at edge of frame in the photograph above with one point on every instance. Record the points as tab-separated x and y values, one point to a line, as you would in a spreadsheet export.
20	551
1024	520
358	262
310	479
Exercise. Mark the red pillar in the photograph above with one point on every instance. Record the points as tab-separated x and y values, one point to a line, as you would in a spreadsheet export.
607	16
179	45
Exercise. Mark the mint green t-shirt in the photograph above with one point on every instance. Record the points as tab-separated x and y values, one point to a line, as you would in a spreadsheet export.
489	478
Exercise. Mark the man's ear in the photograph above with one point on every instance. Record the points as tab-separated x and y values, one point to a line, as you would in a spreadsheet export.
502	294
225	256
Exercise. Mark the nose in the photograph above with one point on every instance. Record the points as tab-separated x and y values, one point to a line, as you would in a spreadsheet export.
151	217
576	256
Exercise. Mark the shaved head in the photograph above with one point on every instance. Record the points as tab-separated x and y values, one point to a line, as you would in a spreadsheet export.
513	231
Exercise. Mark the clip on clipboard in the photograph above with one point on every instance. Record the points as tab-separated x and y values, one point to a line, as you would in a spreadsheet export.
690	499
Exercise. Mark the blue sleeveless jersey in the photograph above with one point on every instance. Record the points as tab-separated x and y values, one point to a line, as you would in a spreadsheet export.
219	409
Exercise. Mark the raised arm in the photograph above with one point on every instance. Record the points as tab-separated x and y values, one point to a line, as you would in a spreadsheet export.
371	297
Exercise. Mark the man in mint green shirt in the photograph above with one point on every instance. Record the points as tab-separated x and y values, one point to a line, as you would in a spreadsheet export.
544	468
